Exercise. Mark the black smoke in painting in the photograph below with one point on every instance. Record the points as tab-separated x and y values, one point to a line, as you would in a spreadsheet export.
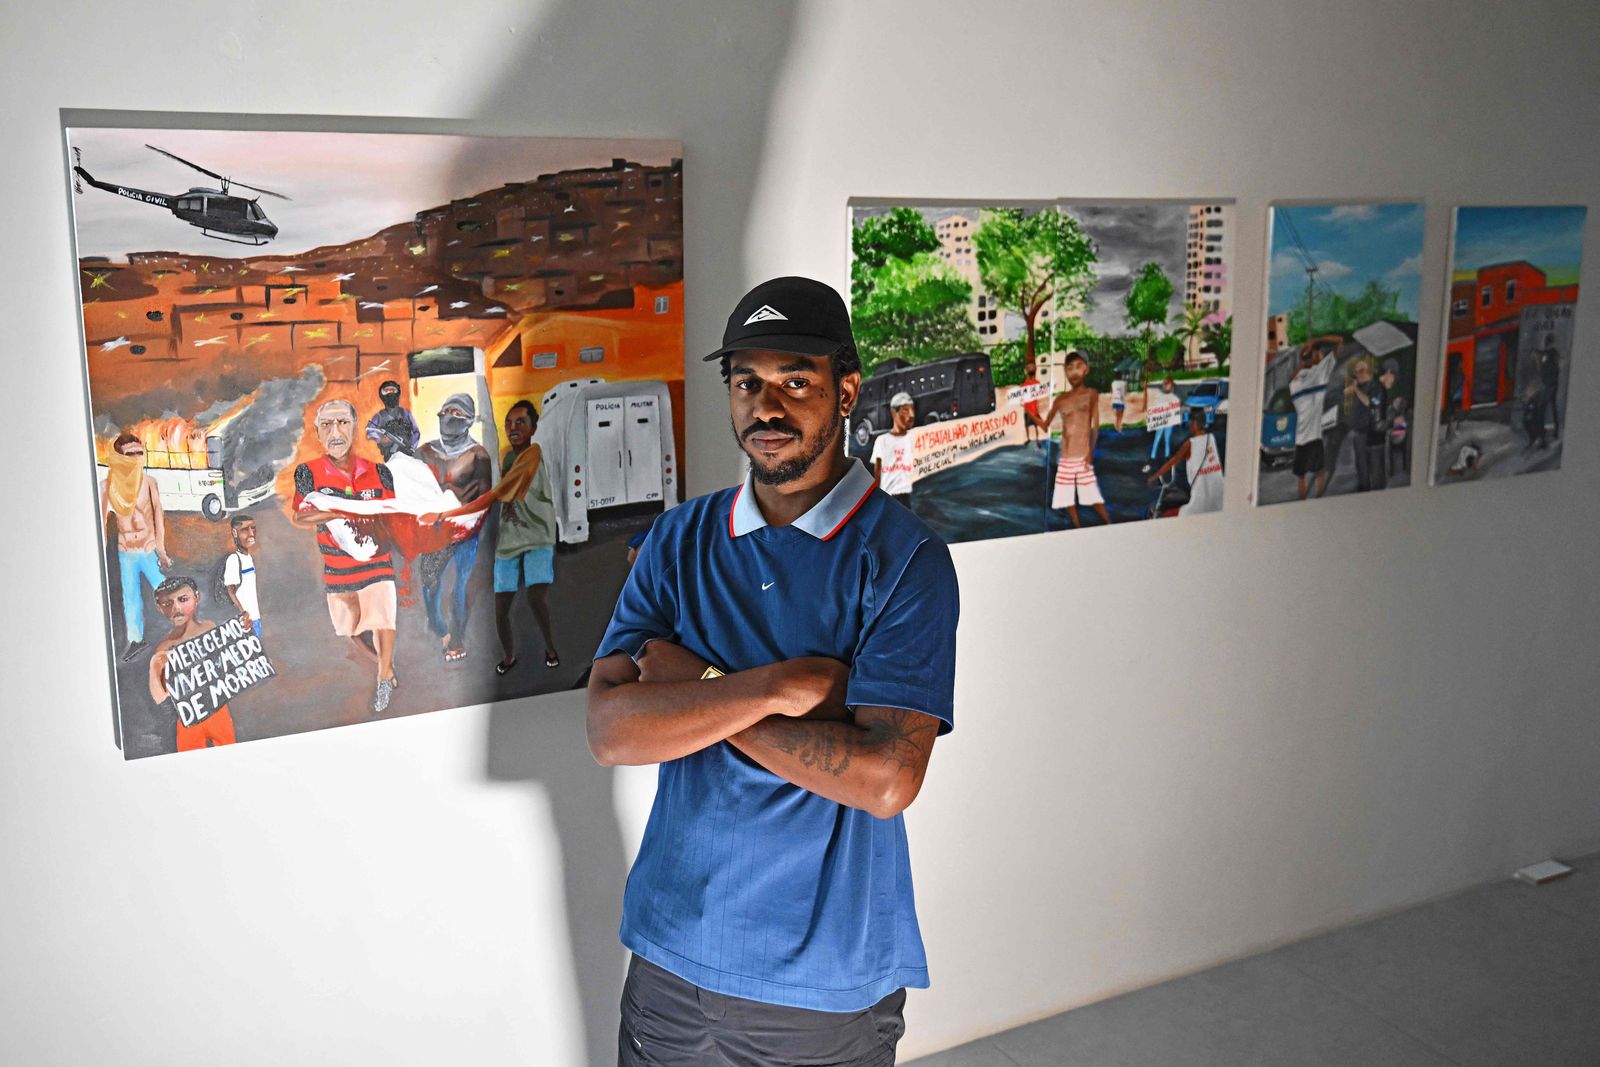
262	438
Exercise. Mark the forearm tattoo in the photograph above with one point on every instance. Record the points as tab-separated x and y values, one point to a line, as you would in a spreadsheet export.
892	737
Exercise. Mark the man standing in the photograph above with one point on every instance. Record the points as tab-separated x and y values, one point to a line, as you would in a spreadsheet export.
891	452
357	573
393	428
135	505
1079	408
462	466
1368	403
1550	383
1308	389
785	651
178	598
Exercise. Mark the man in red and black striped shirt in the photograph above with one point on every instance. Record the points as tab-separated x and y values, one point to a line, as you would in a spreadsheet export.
357	573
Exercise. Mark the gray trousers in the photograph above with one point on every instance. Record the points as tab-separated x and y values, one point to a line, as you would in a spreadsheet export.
668	1022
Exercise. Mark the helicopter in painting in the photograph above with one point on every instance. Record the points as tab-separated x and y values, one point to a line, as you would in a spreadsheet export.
216	212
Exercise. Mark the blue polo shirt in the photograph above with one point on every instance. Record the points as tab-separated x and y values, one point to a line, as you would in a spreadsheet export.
746	884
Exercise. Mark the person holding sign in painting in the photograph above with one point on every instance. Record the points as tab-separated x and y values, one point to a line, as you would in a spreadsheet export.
178	598
891	452
1163	414
525	545
1079	409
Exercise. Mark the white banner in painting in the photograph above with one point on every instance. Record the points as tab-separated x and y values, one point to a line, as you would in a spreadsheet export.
943	445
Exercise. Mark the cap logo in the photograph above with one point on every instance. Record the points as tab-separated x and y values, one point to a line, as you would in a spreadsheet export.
765	313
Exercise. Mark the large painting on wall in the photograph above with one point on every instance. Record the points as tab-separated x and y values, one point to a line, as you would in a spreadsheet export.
1510	322
374	417
1339	387
1043	366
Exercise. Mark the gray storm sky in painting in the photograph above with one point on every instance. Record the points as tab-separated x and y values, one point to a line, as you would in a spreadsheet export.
344	186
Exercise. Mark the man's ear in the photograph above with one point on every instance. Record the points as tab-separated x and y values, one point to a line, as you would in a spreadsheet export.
849	392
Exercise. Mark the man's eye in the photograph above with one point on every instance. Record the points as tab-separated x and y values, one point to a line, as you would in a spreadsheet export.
798	383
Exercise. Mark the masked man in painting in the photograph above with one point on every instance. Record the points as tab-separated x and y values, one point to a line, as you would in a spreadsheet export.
135	504
357	572
525	543
784	649
462	466
393	428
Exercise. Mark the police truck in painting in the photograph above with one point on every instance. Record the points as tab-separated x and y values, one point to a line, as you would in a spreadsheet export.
953	388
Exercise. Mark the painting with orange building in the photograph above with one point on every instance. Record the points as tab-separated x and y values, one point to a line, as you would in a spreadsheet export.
400	402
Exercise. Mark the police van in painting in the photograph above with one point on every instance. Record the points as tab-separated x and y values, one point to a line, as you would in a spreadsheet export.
608	444
952	388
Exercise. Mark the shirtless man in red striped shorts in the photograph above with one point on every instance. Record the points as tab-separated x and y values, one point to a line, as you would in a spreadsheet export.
1079	409
357	573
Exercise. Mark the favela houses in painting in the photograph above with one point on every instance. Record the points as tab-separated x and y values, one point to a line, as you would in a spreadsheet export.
374	417
1047	365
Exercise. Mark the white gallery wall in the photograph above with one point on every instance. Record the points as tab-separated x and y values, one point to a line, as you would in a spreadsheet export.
1177	743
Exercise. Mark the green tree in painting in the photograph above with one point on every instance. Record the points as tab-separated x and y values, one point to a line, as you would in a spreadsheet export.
1030	262
1189	323
1337	313
1145	306
906	302
1217	337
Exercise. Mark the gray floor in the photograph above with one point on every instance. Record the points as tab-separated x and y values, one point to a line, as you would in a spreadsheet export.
1499	975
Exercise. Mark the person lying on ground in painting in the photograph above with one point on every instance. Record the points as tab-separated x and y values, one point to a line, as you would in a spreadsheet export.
239	571
134	501
1079	410
1202	461
178	598
462	466
525	542
891	452
1308	391
393	428
357	573
786	651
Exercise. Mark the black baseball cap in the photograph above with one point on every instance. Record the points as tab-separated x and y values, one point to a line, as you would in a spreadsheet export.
799	315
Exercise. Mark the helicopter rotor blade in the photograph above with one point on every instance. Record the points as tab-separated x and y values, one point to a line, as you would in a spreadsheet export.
258	189
186	163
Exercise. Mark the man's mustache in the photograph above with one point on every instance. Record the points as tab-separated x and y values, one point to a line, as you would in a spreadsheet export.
334	442
769	426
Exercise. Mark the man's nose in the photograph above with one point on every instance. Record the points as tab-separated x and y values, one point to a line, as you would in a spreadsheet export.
768	403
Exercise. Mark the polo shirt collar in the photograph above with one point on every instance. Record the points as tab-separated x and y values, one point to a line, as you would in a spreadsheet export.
826	517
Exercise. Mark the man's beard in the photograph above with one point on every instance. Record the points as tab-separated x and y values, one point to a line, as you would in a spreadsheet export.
788	470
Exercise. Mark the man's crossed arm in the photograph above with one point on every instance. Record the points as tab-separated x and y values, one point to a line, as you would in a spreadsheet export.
790	717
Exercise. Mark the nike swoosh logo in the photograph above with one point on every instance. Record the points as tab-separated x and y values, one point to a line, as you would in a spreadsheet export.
767	585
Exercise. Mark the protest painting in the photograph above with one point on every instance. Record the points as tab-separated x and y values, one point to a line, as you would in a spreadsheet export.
1048	365
1339	389
1509	355
395	407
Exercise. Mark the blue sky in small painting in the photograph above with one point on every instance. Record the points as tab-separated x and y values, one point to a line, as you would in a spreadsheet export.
1350	245
1551	238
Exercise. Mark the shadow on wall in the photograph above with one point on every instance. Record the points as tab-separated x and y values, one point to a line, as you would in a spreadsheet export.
703	75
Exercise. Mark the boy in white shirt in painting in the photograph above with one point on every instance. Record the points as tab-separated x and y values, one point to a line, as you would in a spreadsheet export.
239	571
891	452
